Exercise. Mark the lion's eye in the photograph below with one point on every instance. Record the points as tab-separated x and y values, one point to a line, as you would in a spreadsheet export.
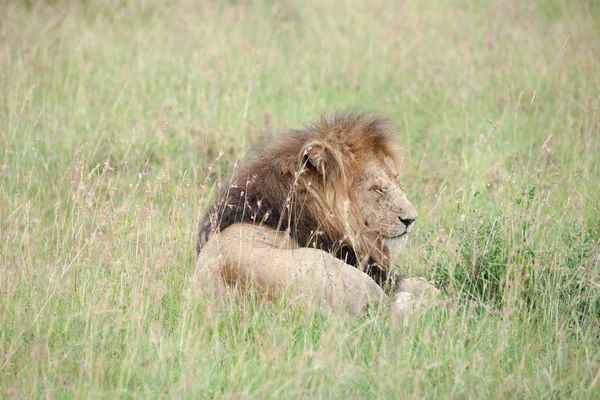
379	191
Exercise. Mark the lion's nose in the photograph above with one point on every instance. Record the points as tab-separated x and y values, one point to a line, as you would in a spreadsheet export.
407	221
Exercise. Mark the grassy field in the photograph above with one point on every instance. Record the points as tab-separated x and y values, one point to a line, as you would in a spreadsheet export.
118	119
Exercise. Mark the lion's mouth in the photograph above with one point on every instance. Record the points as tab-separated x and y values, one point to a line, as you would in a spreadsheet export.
403	234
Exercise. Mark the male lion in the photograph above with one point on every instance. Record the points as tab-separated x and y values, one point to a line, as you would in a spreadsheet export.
315	216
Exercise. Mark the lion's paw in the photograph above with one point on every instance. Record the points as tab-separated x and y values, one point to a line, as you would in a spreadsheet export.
419	287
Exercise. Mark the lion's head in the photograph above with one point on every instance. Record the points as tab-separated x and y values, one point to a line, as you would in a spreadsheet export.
350	168
333	185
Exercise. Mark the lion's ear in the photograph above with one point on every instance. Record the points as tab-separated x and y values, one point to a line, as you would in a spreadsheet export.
319	157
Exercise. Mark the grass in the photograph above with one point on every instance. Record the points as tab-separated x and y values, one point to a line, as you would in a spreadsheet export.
118	119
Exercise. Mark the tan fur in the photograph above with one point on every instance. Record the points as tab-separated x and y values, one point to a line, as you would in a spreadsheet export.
294	217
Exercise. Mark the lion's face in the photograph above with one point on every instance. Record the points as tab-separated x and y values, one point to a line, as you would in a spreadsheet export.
381	199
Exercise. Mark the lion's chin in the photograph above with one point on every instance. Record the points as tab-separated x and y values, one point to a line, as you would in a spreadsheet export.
396	244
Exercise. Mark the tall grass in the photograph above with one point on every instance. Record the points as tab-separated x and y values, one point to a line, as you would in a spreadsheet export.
118	120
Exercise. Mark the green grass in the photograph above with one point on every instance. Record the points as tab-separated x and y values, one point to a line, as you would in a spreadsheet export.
117	120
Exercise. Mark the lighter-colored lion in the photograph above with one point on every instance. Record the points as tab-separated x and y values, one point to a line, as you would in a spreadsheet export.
315	217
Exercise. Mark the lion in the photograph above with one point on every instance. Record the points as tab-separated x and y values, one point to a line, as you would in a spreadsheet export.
316	216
